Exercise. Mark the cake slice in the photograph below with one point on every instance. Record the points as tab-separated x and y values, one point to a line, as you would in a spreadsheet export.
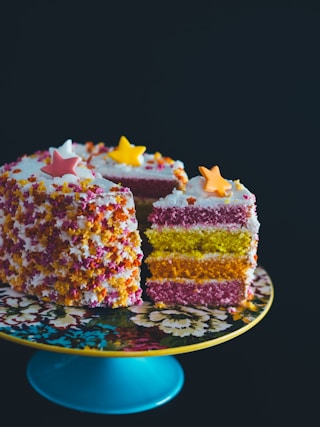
67	235
204	243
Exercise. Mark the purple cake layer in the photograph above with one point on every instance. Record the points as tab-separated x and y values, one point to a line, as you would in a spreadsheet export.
217	293
146	188
191	215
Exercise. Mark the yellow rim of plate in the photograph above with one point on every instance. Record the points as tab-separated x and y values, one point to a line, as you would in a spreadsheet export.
162	352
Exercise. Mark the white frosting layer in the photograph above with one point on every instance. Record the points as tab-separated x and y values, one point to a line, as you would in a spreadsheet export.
239	195
152	167
31	167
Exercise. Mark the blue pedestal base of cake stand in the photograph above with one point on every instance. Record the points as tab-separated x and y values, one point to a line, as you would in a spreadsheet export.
105	385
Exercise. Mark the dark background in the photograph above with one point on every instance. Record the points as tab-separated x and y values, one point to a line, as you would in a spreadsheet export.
233	84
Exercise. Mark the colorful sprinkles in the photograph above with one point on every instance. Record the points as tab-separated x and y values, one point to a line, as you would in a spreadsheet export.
70	239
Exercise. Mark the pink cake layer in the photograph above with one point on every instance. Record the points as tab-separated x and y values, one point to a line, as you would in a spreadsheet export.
222	293
146	188
191	215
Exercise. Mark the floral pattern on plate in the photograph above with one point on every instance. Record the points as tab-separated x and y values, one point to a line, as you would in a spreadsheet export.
134	329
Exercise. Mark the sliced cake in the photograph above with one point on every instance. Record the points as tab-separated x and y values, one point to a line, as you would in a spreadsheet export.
204	243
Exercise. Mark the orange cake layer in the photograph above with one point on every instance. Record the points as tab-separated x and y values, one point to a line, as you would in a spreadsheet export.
207	267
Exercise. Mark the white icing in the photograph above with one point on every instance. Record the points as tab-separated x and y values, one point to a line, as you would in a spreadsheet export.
149	167
31	167
194	188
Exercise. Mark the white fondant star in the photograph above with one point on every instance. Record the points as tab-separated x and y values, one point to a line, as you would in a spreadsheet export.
65	150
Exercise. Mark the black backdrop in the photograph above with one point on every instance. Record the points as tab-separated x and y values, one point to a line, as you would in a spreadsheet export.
208	83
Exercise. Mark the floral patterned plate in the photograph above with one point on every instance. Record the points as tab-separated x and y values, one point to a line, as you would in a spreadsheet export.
134	331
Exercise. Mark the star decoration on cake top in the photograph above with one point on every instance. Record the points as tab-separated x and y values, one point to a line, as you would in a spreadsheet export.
127	153
59	165
214	183
65	150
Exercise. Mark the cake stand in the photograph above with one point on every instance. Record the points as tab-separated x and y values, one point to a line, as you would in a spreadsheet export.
119	361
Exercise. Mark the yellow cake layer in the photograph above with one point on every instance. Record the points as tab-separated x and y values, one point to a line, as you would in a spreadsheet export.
200	240
207	267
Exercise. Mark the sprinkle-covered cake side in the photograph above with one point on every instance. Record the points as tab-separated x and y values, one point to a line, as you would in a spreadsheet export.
67	235
204	243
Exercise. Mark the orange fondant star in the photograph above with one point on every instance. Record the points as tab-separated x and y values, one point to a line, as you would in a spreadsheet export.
127	153
61	166
214	182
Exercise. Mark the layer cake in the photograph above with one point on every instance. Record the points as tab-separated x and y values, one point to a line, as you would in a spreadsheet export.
204	243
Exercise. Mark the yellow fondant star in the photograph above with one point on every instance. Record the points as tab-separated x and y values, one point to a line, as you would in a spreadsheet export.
214	182
127	153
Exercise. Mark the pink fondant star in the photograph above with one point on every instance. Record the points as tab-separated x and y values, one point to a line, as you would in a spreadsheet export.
61	166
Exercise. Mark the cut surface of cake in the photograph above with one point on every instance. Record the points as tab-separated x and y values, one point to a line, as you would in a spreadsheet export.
204	243
68	235
149	176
